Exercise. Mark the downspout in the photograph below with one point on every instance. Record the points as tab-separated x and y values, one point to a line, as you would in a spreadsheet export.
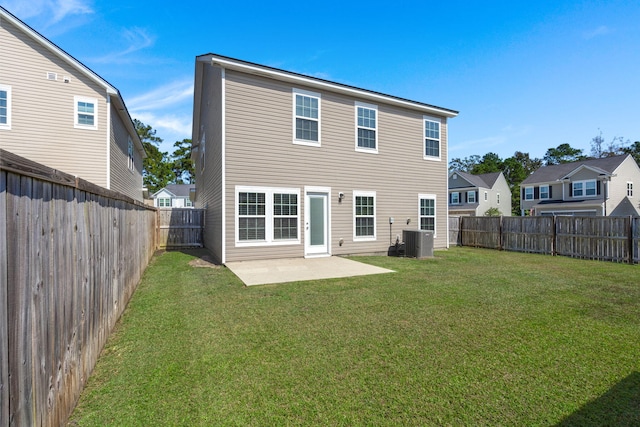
108	141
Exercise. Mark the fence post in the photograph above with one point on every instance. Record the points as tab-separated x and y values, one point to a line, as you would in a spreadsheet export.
554	236
500	233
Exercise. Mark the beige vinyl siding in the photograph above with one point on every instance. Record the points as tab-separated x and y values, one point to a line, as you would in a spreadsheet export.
628	171
43	110
209	193
123	179
260	152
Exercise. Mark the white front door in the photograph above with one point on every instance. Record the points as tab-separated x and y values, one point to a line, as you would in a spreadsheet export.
316	224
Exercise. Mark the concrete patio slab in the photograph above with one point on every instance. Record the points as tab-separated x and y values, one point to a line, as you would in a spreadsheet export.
264	272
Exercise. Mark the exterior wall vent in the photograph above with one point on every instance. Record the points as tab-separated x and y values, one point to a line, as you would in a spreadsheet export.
418	243
66	79
52	76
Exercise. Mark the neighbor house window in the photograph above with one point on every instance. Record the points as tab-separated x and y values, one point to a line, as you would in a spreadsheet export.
498	198
364	212
130	162
471	196
455	198
306	117
86	112
431	138
427	213
267	216
584	188
164	202
486	196
629	189
366	127
528	193
188	203
5	107
544	192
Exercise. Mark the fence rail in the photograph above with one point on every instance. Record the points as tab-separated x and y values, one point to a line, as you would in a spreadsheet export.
600	238
71	255
180	228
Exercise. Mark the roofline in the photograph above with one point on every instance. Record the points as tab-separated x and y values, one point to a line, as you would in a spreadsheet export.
315	82
65	56
592	168
58	51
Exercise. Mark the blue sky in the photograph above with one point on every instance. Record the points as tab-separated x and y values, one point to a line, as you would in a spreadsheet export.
525	75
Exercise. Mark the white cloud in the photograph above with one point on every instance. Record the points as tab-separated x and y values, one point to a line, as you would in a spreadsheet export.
54	10
136	39
164	96
170	123
600	31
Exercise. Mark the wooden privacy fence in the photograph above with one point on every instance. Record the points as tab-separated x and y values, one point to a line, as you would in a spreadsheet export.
599	238
71	256
180	228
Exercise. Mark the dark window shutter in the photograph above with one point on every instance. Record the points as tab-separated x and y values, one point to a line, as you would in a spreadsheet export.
598	187
570	189
477	195
536	192
522	193
550	195
466	197
450	195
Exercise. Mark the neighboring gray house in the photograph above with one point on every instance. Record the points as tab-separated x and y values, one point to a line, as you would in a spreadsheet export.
289	165
594	187
174	196
56	111
473	195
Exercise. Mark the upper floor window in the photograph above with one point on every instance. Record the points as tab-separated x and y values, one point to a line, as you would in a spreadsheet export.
5	107
498	198
455	198
629	189
544	192
306	117
188	203
86	112
431	138
364	211
584	188
366	127
486	196
130	162
427	212
164	202
471	196
528	193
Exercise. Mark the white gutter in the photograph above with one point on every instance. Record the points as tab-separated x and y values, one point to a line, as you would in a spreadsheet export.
108	126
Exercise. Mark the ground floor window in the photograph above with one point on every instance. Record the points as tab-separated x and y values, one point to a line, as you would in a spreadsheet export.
266	215
364	213
427	212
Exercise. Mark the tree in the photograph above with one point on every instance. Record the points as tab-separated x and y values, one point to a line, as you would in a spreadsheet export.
156	168
634	150
490	162
516	169
614	148
182	165
563	153
464	165
493	212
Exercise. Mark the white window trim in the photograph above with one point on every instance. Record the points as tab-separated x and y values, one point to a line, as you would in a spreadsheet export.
7	126
497	198
435	212
424	137
486	196
584	188
526	194
474	196
369	107
629	189
314	95
94	101
540	192
130	158
455	202
163	198
360	193
268	232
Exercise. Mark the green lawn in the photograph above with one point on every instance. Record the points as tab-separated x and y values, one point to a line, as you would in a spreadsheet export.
472	337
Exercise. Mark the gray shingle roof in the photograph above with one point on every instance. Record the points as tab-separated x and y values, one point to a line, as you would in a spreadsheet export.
180	190
557	172
486	180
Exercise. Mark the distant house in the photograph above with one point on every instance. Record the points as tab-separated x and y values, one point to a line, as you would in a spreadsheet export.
174	196
56	111
289	165
602	187
473	195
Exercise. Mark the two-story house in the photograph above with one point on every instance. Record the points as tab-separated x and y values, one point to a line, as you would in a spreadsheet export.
596	187
174	196
56	111
474	195
289	165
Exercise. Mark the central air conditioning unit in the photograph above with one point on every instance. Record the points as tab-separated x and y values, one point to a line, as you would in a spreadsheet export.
418	243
